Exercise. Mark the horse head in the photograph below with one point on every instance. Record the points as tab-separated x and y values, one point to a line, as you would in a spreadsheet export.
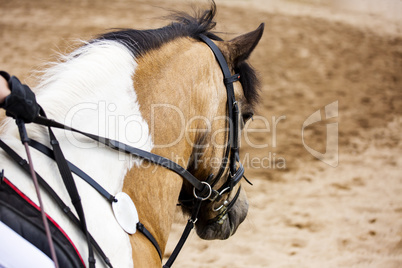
181	79
213	154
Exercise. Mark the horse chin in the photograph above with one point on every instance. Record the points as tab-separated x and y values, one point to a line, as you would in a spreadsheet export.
210	230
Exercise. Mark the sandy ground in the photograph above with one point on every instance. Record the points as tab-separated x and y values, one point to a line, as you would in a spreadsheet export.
303	212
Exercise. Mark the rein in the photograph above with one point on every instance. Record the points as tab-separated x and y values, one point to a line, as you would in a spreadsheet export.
202	191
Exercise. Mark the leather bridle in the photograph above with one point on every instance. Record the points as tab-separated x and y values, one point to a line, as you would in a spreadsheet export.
231	158
202	190
231	155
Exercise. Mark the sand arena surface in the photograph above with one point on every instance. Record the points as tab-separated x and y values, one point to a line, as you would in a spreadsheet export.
303	212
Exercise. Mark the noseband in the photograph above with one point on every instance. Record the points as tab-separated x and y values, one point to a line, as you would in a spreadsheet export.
202	191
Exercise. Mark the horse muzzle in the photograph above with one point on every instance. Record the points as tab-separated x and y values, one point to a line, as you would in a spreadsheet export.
223	222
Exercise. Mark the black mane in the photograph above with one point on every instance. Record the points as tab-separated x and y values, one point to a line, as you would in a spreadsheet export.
139	42
184	25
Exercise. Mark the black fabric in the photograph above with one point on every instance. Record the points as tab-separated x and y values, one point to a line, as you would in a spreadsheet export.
23	163
18	214
21	103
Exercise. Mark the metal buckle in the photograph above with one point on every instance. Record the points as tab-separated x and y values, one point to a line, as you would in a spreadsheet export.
209	194
225	203
214	195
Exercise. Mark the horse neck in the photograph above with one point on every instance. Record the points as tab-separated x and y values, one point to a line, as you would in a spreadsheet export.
172	89
91	87
92	90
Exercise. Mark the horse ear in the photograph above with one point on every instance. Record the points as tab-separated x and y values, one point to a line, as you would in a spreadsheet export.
241	47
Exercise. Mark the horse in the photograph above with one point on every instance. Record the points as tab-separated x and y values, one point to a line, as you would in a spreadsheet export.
162	91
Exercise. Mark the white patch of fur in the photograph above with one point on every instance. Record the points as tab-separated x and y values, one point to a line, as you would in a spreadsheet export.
91	90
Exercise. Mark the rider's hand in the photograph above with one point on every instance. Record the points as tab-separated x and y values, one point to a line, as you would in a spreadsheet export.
21	103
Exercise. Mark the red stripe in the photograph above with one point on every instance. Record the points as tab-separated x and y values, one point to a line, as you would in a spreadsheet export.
27	199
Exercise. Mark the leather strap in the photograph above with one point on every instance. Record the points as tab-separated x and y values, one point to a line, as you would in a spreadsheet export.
233	111
203	188
189	226
141	228
24	164
230	99
49	152
72	190
76	170
116	145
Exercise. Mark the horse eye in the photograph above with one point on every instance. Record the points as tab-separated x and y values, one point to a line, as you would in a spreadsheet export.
247	116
